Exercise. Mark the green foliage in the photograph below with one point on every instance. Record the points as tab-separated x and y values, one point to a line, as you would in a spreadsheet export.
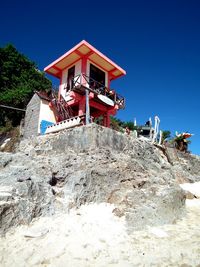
181	138
115	123
119	125
19	78
99	120
130	125
7	128
181	143
165	135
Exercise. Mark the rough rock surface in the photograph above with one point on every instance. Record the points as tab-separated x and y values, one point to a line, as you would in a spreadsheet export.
52	174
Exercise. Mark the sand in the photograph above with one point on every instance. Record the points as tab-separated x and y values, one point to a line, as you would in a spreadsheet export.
94	236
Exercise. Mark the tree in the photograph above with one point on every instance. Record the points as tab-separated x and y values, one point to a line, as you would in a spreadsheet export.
119	125
115	123
130	125
181	142
19	78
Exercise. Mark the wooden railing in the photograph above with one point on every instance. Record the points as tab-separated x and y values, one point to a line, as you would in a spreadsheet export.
97	88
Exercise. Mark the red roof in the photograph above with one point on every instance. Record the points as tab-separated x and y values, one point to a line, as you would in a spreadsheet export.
84	49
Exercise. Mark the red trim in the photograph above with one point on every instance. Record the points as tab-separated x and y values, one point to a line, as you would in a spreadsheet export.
84	65
118	76
79	98
94	50
113	112
98	65
98	106
56	68
79	53
111	75
82	55
72	102
104	57
89	54
49	72
60	87
69	66
76	98
111	71
53	74
63	56
76	95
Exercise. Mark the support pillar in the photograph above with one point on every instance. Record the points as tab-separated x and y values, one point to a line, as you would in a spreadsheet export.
87	107
81	108
106	120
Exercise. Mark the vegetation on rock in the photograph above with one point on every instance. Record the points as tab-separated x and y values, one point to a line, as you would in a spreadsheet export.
19	78
166	135
181	143
119	125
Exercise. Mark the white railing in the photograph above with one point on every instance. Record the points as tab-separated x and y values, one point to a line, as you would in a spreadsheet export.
69	123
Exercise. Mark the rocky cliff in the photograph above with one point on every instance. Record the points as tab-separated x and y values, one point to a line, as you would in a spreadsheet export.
51	174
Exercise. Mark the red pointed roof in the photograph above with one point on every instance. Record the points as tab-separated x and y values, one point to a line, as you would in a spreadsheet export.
84	49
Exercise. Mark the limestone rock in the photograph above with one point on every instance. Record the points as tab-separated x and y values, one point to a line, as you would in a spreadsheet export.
53	173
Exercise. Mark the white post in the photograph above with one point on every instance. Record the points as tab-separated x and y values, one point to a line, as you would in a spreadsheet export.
150	122
156	128
151	129
160	139
87	115
135	134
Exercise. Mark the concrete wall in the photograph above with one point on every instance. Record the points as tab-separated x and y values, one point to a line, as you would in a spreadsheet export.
32	117
81	138
88	137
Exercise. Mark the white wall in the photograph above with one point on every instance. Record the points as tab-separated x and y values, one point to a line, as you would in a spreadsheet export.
65	76
45	113
77	72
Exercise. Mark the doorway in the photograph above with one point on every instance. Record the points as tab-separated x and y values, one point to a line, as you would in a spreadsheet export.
70	77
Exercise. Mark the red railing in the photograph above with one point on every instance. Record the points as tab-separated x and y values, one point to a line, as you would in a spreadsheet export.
96	87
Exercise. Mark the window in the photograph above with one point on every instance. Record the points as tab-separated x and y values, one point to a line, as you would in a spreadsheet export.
70	76
97	74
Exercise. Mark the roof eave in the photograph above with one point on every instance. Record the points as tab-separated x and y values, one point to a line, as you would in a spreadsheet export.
83	42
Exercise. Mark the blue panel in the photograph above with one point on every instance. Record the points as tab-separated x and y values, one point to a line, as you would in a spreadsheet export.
43	126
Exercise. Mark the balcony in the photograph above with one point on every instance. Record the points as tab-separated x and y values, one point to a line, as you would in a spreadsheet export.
82	82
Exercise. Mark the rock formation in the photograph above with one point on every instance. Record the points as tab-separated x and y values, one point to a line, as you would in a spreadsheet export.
53	173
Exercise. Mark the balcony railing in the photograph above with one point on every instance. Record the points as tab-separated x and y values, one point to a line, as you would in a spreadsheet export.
96	87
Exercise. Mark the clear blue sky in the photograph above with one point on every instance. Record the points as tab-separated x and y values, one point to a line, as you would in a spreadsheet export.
156	42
